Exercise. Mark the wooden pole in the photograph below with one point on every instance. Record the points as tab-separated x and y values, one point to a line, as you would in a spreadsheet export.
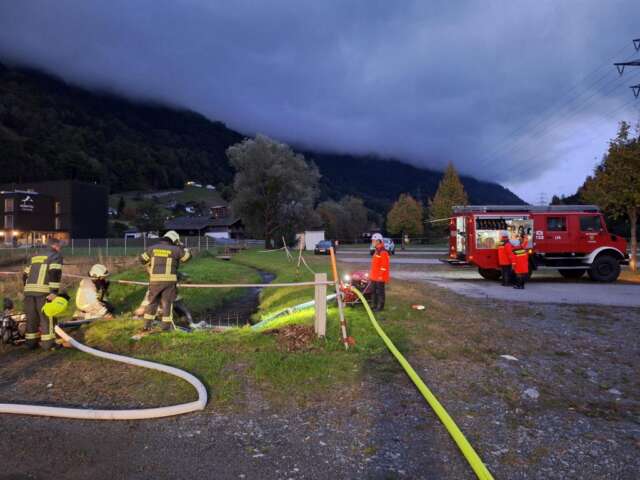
320	325
336	280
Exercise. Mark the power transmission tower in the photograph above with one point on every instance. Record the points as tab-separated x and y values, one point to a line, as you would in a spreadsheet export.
542	199
632	63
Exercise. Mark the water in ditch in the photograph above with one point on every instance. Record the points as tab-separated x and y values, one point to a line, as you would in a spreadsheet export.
237	311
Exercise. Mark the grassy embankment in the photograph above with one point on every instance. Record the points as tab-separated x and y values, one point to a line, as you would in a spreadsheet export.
236	363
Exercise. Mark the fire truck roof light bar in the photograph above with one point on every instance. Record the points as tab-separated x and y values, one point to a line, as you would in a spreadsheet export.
525	208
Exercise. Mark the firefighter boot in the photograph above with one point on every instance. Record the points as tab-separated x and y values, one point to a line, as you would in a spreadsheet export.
148	322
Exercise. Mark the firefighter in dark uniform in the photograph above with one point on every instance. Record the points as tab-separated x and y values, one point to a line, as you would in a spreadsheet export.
41	284
162	260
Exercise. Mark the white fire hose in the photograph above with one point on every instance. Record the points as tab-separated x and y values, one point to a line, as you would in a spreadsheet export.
137	414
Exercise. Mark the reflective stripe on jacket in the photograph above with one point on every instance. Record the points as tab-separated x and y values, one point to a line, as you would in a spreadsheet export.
163	259
43	274
379	266
520	261
504	253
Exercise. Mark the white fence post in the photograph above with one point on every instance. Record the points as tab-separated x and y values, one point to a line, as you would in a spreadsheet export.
72	249
106	247
89	247
125	245
320	324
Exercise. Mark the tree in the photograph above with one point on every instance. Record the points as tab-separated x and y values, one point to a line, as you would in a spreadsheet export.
615	184
149	217
121	206
275	188
344	220
450	193
405	216
332	217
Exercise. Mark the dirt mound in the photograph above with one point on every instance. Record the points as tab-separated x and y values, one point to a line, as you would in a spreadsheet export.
294	338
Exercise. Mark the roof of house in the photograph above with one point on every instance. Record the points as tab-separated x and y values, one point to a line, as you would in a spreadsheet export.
199	223
187	223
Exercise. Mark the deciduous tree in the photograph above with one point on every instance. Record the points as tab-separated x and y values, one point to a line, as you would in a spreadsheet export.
405	216
615	184
275	188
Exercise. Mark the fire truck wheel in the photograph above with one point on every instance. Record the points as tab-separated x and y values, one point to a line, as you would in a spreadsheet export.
490	273
604	268
572	274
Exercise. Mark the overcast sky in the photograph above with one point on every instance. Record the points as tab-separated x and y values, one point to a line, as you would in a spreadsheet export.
520	92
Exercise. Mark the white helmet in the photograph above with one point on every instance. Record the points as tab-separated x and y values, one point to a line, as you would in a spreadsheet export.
173	236
98	271
376	236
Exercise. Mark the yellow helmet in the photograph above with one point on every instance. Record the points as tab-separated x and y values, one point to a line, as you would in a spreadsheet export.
173	236
98	271
55	307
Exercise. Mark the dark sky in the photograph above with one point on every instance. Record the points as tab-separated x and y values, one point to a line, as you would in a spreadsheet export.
521	92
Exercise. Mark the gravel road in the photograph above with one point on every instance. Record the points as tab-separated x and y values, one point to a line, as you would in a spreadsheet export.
547	289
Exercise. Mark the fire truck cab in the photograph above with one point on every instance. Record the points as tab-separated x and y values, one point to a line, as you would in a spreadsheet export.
572	239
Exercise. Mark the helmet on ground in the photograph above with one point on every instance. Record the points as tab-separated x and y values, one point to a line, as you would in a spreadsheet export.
173	236
376	236
55	307
98	271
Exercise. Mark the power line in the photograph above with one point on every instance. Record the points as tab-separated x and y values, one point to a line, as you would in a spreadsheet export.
542	130
562	104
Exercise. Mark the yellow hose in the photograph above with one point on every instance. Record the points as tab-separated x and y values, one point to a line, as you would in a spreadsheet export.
469	453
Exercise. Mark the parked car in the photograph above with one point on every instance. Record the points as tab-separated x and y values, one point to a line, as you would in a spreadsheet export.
389	246
322	248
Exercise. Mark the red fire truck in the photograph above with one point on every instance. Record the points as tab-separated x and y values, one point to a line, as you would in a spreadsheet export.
572	239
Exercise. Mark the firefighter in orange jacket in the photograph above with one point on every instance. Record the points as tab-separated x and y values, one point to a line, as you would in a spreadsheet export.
504	258
520	265
379	274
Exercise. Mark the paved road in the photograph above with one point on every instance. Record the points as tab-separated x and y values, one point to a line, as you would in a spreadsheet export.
541	290
395	260
435	251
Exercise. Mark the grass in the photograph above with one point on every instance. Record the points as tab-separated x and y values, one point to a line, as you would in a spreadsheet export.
188	194
241	364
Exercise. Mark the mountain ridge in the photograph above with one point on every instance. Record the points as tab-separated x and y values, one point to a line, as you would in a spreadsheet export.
50	129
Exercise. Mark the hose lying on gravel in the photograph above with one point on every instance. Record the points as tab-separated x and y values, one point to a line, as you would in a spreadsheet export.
469	453
136	414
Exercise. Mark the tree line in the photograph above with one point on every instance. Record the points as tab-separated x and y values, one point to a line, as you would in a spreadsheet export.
276	190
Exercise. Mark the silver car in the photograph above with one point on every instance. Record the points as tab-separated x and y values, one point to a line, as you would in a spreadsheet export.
389	246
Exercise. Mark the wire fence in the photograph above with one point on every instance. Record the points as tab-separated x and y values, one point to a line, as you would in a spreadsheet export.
123	247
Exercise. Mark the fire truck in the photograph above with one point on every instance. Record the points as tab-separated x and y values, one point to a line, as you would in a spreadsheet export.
572	239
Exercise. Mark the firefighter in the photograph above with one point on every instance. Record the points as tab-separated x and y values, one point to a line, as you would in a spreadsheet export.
504	258
379	274
41	285
520	265
162	260
91	298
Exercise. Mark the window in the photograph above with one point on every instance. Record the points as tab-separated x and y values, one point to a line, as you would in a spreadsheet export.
58	208
556	224
8	221
8	205
58	225
590	224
